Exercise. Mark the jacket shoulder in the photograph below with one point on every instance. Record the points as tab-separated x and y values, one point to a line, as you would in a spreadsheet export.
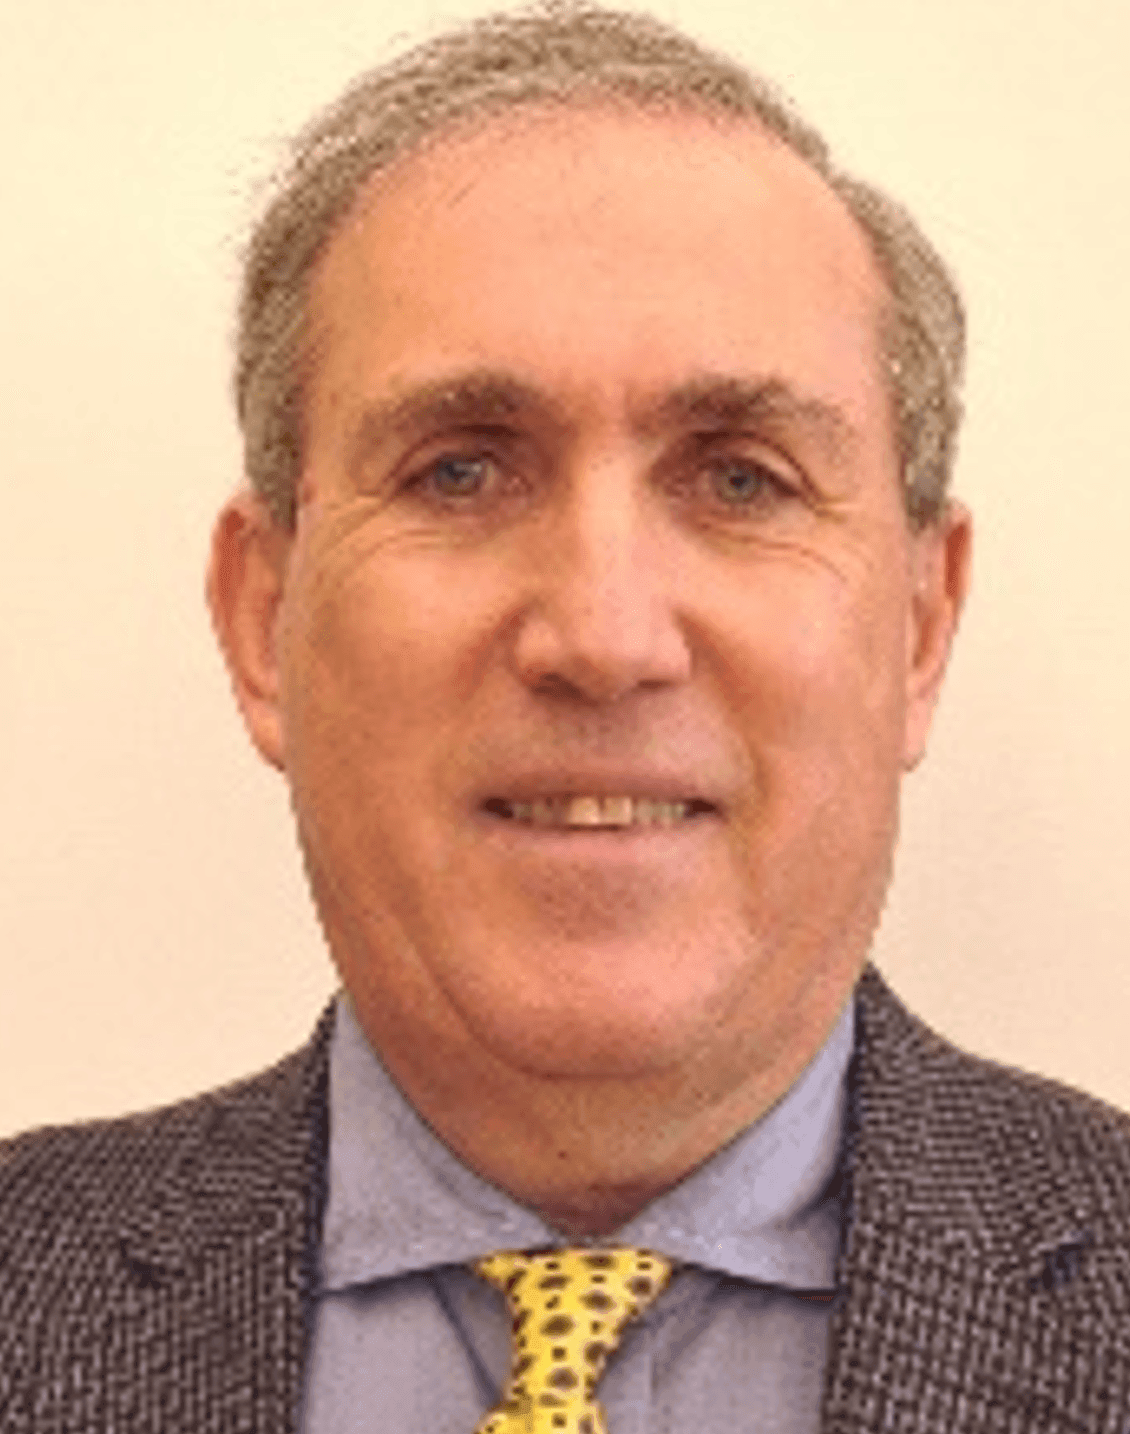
972	1140
154	1269
985	1260
92	1179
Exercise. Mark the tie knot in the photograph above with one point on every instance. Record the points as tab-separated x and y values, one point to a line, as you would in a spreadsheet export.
567	1311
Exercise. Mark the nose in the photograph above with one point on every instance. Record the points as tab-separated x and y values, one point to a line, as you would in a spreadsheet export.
603	621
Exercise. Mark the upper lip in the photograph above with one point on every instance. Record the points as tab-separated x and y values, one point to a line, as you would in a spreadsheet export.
647	784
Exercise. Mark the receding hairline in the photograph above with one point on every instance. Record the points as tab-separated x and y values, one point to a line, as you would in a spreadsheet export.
588	101
526	117
566	54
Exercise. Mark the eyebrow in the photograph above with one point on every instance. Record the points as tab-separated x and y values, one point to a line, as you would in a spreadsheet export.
719	403
709	403
466	400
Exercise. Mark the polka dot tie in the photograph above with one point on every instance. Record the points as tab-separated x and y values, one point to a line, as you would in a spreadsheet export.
567	1311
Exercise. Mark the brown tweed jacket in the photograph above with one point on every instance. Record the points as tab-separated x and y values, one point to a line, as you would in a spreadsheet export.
155	1271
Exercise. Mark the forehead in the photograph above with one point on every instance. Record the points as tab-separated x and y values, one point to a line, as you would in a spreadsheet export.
610	247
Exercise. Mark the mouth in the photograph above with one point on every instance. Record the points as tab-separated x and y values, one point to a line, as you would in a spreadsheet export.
584	812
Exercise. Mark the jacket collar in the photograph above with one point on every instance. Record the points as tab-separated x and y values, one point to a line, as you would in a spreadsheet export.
975	1244
985	1226
245	1161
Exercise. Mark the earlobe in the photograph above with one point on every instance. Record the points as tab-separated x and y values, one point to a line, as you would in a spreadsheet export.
245	584
940	577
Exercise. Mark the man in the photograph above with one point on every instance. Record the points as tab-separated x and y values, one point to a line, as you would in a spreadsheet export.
593	591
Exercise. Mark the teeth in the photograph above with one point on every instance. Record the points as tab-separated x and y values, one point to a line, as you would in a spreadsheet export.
617	811
584	812
598	812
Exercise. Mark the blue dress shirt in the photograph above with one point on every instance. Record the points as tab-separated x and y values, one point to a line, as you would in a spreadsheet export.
406	1340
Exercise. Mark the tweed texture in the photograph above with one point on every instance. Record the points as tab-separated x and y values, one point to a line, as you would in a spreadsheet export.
155	1272
985	1274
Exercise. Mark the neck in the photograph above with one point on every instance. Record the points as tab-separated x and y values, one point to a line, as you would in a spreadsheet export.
587	1153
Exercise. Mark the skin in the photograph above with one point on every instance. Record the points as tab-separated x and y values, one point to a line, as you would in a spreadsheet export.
570	581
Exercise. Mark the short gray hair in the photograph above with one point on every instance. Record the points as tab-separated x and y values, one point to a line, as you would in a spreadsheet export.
563	52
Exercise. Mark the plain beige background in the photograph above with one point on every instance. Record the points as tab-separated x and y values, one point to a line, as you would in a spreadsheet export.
155	934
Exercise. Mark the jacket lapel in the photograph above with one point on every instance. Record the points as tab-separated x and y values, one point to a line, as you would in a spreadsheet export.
985	1270
219	1252
980	1257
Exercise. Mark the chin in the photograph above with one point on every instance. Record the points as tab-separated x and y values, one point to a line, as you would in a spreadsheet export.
610	1010
591	1052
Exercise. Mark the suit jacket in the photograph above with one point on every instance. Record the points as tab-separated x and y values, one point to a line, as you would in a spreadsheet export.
156	1271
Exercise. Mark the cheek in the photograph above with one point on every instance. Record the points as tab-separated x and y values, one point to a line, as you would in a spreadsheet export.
819	650
817	690
385	648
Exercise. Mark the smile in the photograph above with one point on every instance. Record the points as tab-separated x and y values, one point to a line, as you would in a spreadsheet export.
591	811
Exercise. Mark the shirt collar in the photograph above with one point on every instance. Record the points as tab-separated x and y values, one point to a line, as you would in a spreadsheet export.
399	1200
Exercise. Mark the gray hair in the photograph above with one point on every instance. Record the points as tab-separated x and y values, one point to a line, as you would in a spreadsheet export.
563	52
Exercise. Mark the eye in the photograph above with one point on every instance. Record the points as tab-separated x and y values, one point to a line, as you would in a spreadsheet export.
745	483
470	476
456	475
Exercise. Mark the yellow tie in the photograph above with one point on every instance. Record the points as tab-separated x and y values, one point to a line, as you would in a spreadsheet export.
567	1309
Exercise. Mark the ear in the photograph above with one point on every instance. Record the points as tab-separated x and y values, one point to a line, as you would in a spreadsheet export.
940	571
245	585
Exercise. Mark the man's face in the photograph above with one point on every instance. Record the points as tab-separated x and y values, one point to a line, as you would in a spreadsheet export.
600	501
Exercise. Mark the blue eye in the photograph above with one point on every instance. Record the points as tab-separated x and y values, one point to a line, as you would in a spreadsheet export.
456	477
740	484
